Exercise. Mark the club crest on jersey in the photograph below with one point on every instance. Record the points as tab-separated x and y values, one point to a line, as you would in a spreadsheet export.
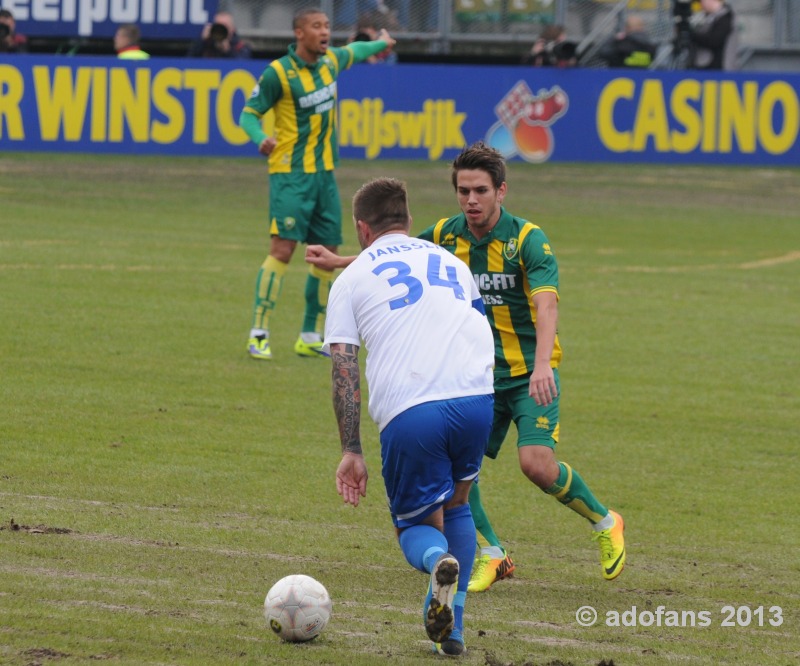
510	249
289	222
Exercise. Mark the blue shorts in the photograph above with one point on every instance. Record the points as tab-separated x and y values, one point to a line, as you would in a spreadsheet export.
428	448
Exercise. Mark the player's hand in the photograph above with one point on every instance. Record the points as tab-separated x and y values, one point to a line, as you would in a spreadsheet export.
267	145
321	257
351	478
386	37
543	385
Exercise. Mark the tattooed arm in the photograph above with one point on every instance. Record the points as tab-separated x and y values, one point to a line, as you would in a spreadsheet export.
351	476
347	395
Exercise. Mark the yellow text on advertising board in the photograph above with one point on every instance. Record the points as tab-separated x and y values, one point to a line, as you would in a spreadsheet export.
118	104
709	116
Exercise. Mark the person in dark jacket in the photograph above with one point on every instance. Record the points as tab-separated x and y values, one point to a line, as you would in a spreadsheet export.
10	40
552	49
219	39
632	47
712	36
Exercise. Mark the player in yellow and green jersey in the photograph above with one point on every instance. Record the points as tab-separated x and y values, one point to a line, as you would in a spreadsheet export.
517	275
304	204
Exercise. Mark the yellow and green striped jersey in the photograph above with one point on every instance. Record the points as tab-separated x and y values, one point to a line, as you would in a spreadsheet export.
304	98
511	264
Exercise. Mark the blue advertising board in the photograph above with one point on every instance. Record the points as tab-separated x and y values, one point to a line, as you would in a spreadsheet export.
191	107
158	19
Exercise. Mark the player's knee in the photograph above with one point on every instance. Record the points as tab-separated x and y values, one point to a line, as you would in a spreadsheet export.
539	464
539	478
282	249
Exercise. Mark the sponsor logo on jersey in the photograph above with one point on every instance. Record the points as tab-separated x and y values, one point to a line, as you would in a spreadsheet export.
546	248
492	299
318	96
495	281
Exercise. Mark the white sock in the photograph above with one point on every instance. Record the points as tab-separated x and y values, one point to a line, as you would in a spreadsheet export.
605	524
495	552
258	333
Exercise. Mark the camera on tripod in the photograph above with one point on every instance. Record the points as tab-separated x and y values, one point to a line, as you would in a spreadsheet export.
681	10
682	43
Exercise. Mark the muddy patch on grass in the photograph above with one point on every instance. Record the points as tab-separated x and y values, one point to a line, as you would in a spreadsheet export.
38	654
13	526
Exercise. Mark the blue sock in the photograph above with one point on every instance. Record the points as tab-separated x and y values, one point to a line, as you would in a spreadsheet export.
458	612
459	529
422	545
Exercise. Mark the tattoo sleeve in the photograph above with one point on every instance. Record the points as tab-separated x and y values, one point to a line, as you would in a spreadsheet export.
347	395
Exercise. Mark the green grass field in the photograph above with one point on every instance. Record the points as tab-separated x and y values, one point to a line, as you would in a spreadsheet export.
155	482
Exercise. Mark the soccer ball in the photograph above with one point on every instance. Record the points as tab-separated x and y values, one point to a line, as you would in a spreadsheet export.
297	608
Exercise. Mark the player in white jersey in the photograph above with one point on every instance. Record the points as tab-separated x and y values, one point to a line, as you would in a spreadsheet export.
430	355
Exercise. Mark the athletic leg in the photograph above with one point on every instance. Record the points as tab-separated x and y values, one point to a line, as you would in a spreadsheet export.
268	288
492	563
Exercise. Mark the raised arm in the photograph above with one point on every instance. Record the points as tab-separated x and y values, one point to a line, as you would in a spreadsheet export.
363	50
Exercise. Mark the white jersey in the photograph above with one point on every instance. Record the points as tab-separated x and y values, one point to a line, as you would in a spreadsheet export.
412	304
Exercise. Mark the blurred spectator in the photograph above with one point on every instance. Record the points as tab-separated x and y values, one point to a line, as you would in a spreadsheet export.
219	39
424	18
631	47
394	15
10	40
126	43
552	49
712	36
366	31
348	12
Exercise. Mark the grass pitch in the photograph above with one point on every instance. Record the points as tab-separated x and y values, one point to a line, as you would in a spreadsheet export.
155	482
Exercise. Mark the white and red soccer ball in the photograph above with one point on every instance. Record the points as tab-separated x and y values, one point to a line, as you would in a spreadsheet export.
297	608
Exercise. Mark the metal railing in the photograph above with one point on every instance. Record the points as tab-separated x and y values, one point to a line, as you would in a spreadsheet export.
511	26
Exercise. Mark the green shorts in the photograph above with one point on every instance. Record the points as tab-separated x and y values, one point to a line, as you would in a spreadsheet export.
305	207
535	424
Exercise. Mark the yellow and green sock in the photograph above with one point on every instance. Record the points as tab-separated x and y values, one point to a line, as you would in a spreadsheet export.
571	490
318	286
268	289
